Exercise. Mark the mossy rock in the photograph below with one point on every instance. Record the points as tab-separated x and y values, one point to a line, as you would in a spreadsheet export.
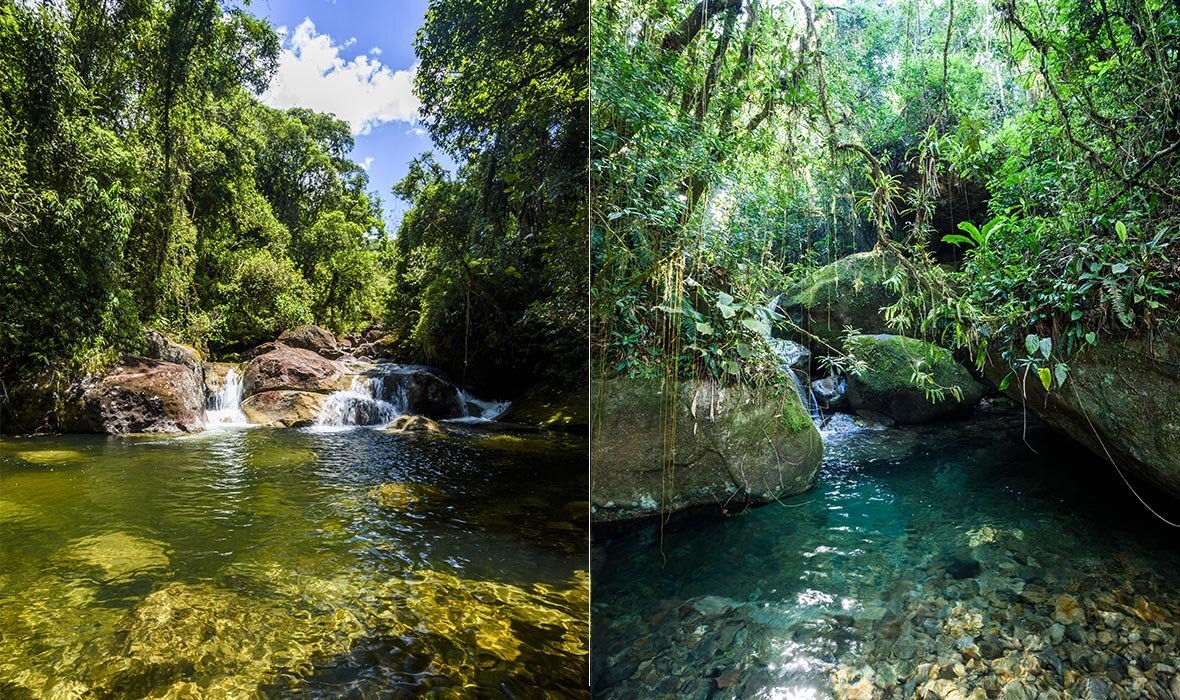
551	408
415	424
733	447
847	293
887	385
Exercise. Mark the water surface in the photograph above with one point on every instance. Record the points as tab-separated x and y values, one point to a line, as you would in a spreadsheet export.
252	562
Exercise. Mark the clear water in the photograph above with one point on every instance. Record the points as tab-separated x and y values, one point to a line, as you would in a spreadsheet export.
268	563
917	549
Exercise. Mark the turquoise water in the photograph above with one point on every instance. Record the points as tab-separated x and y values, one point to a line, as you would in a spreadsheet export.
945	561
267	563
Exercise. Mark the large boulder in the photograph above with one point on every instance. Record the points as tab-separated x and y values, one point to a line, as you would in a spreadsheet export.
885	385
314	338
552	408
284	408
141	395
847	293
425	392
734	447
292	369
160	347
1121	398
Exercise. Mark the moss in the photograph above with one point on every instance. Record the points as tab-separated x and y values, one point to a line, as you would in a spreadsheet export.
551	408
892	359
849	292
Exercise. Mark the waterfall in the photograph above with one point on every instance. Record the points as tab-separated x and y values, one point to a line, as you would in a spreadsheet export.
367	401
224	407
806	395
480	411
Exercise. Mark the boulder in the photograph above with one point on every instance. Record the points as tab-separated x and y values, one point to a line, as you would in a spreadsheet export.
1121	397
284	408
734	446
792	355
384	347
847	293
425	392
292	369
412	424
886	384
313	338
140	395
262	349
159	347
829	392
552	408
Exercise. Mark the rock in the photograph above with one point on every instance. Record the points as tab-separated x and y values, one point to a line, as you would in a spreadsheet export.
1056	632
734	446
887	386
292	369
426	392
1121	396
1015	690
964	568
262	349
848	292
282	408
829	392
1067	610
214	375
159	347
791	355
313	338
409	424
552	408
380	347
140	395
1092	688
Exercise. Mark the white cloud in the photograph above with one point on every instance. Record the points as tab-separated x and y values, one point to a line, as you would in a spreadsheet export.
362	92
366	163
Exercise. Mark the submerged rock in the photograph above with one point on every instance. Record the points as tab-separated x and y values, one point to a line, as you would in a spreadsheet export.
292	369
1121	398
410	423
284	409
140	395
847	293
730	446
887	384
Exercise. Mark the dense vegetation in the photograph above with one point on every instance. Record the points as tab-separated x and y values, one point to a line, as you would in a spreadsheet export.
737	144
142	184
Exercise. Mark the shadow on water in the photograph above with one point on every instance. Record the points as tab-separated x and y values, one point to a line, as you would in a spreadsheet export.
323	564
915	544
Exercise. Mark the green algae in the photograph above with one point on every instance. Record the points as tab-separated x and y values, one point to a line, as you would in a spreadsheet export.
118	554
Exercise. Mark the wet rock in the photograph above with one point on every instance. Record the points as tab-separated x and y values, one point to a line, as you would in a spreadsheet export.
886	384
425	392
414	424
313	338
292	369
961	568
1067	610
829	392
552	408
1056	632
792	355
140	395
284	409
1092	688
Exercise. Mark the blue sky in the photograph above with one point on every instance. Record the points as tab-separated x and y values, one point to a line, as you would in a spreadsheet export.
354	58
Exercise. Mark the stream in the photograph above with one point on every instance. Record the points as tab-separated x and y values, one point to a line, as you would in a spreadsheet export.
244	562
947	560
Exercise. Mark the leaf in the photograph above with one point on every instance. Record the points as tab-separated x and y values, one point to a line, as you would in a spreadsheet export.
1075	315
1118	268
1031	344
956	239
1091	338
704	329
724	299
1046	347
1005	382
1121	229
1046	377
1060	370
731	367
744	350
726	311
757	326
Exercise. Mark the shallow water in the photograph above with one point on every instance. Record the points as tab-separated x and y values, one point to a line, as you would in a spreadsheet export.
949	560
253	562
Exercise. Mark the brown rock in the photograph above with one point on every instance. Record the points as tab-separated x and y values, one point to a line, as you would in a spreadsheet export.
283	408
159	347
292	369
313	338
409	423
141	395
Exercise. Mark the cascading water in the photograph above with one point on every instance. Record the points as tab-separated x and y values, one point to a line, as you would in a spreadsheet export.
480	411
368	401
806	395
224	407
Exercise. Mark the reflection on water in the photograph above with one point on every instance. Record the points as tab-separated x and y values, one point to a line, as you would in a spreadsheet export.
941	561
246	562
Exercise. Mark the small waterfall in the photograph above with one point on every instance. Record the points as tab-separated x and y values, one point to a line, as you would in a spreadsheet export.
224	407
368	401
480	411
806	395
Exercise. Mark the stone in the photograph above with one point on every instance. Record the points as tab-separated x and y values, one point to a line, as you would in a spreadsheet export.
213	374
426	392
408	423
733	447
1056	632
829	392
292	369
961	568
847	293
1067	610
792	355
554	408
284	408
886	384
160	347
140	395
309	337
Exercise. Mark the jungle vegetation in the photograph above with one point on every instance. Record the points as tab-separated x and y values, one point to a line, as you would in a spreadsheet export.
1019	157
143	184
